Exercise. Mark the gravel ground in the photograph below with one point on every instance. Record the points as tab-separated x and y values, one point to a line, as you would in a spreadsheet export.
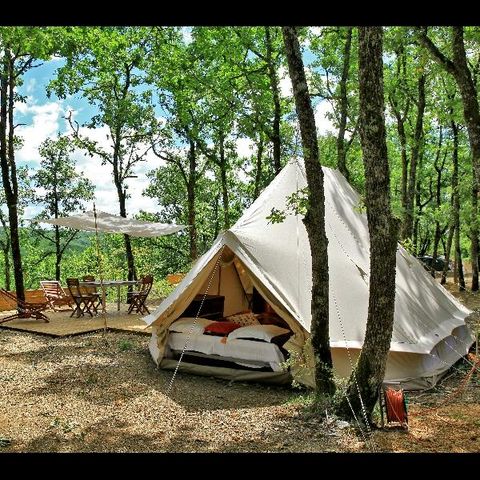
96	393
104	394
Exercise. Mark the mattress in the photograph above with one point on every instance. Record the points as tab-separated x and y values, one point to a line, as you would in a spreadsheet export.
251	353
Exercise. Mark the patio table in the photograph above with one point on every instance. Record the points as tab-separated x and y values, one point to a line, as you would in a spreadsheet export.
108	284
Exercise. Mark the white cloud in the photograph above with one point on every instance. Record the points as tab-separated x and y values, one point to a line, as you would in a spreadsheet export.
24	107
106	197
45	124
324	125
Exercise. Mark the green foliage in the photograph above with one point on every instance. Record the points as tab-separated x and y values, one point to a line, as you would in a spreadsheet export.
150	86
295	204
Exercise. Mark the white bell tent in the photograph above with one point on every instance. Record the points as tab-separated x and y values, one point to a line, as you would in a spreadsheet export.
429	333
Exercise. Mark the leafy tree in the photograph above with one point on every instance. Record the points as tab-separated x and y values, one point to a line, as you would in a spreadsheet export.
20	47
365	380
25	195
334	72
459	67
105	66
314	218
64	191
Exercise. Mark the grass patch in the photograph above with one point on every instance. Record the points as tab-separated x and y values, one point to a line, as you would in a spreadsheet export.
125	346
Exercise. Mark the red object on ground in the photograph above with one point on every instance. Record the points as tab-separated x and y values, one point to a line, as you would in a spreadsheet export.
396	411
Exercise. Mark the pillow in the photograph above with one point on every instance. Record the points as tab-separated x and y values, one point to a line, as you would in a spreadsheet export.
244	319
221	328
185	324
258	332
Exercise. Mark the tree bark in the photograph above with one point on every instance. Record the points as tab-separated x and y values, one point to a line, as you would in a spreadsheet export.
58	253
223	178
277	110
132	274
315	217
407	227
401	119
58	250
5	245
7	160
448	249
458	259
192	180
6	261
258	168
474	247
370	370
438	200
341	144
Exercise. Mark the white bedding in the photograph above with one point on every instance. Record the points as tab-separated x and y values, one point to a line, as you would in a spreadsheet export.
246	350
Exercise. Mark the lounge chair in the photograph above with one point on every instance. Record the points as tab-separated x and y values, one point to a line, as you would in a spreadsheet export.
55	295
24	309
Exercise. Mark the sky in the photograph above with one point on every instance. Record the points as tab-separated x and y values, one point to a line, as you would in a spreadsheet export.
42	117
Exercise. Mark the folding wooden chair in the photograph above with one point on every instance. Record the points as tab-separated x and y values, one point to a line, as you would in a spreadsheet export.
138	298
84	302
92	290
55	295
24	309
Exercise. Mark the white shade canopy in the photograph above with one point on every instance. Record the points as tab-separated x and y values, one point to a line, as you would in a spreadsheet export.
109	223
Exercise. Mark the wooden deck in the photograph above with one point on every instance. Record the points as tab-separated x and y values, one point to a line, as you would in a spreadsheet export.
62	325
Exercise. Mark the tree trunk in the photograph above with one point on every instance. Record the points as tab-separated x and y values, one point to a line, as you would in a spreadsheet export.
401	119
258	169
132	274
438	201
404	159
315	217
6	260
455	221
407	227
58	253
5	245
58	250
370	370
341	144
7	160
474	247
223	177
448	249
122	195
458	259
192	180
277	111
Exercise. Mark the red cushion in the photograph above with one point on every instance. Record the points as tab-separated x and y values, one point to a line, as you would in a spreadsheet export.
221	328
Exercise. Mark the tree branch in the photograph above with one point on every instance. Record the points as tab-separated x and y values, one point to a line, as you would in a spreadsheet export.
434	51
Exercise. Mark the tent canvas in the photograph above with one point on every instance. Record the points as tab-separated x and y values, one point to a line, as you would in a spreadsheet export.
108	223
429	332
